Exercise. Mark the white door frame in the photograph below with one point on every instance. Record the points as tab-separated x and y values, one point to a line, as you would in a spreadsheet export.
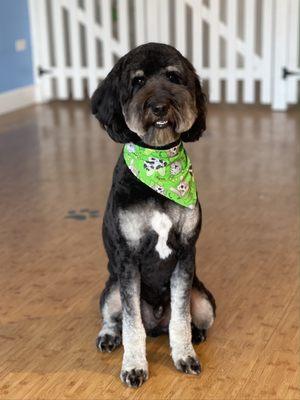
286	46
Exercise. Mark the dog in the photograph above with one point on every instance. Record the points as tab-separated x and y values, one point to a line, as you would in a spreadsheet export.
152	99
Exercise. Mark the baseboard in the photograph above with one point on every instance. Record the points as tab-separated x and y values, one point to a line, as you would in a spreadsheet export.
18	98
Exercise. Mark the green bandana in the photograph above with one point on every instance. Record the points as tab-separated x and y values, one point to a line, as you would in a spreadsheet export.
168	172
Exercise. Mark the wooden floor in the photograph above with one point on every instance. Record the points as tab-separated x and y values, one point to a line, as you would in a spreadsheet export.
55	174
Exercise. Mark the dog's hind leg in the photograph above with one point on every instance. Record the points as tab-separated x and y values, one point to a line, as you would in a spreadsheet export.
110	335
203	311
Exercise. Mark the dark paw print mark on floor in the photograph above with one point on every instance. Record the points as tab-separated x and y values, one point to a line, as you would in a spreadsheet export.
82	214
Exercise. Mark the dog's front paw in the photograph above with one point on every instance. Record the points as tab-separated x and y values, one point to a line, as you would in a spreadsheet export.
134	377
108	342
188	365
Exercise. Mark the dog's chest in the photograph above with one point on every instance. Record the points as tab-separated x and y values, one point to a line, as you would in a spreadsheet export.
138	221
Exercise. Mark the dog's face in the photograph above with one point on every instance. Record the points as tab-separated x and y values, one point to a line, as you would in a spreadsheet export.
152	95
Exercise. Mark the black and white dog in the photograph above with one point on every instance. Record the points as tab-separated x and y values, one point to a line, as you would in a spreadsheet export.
152	97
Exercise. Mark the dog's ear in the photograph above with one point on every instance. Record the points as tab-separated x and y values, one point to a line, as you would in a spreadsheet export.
106	106
199	126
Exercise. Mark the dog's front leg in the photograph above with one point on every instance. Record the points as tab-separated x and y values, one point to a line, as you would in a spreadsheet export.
134	367
183	353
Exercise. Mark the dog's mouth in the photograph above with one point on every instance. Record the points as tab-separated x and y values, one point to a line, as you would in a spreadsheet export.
159	131
161	124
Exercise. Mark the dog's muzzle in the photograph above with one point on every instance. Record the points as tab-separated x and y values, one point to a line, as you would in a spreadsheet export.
159	111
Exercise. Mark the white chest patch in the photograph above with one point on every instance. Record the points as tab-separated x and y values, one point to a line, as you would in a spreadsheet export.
161	224
132	223
137	221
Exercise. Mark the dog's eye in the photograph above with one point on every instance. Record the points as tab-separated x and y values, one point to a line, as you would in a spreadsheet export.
173	77
138	81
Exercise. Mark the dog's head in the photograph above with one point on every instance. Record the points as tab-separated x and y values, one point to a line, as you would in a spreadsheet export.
151	95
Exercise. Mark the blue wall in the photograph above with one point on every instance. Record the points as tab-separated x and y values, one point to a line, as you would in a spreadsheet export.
15	67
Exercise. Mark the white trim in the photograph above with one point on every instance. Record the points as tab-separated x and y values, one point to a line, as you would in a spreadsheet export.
34	43
279	100
140	25
18	98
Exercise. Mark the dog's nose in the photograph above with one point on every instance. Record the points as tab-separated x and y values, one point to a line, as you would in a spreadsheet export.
159	109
